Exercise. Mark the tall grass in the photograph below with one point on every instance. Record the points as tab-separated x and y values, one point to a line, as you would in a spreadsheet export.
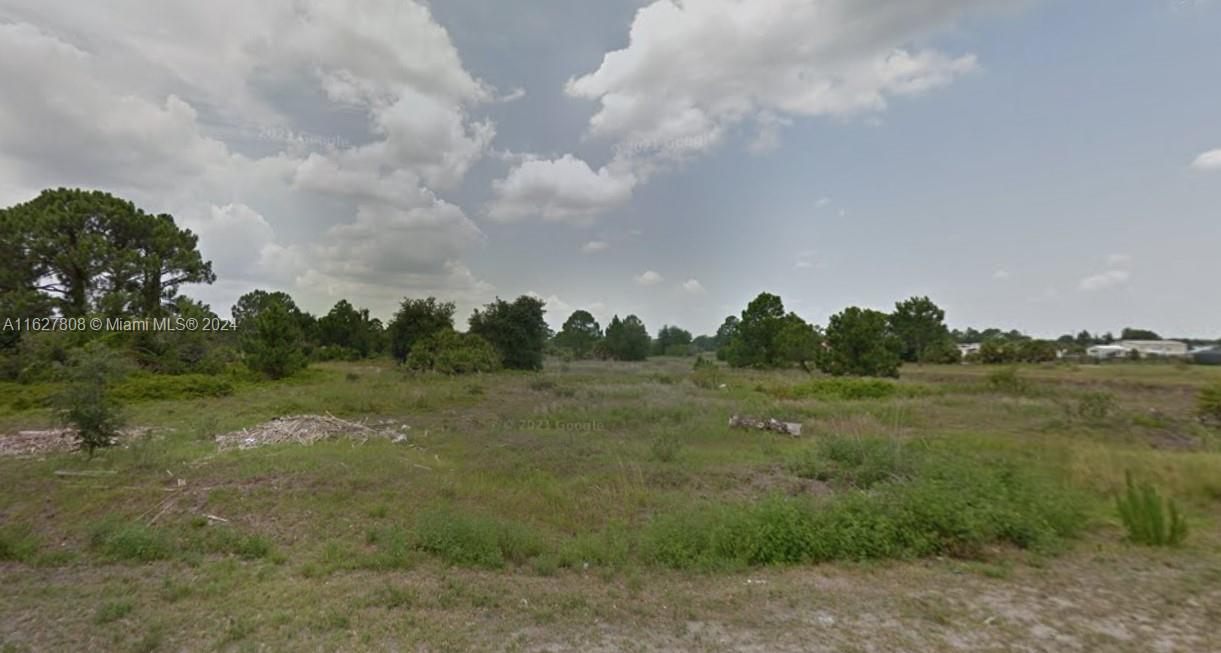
1148	519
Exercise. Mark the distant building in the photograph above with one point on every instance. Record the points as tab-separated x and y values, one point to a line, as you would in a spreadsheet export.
968	348
1207	356
1155	347
1107	351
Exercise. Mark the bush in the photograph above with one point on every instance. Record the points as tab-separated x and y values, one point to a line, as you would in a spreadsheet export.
856	461
17	543
1147	518
1208	403
449	352
838	388
708	377
475	540
664	449
950	506
120	540
1008	381
144	387
1095	406
517	330
87	403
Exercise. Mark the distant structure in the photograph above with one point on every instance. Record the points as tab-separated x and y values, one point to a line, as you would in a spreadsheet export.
1206	356
1166	348
969	348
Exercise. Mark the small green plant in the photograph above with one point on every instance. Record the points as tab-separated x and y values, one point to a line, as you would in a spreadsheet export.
1095	406
664	449
1208	403
17	543
87	403
112	611
475	540
1007	380
859	462
1148	519
121	540
708	377
838	388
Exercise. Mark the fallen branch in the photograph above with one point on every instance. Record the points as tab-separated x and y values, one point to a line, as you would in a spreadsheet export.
95	472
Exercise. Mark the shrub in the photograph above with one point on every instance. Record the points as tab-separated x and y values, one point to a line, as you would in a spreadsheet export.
17	543
838	388
1208	403
665	449
449	352
121	540
856	461
1095	406
475	540
87	403
1008	381
143	387
950	506
1148	519
112	611
708	376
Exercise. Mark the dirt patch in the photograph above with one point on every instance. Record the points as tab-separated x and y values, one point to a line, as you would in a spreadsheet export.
308	429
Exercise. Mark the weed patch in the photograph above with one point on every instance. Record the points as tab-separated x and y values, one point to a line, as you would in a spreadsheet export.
1148	519
475	540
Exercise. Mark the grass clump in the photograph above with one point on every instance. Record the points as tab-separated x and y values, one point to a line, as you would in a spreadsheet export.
132	541
1208	403
1007	381
949	506
475	540
230	541
160	387
859	462
1095	406
1148	519
112	611
17	543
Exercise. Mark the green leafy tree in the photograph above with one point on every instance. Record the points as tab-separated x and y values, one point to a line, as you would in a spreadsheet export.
272	342
918	323
349	329
943	352
517	330
1138	334
798	342
86	402
580	334
449	352
627	339
725	335
95	252
860	343
672	341
753	343
416	319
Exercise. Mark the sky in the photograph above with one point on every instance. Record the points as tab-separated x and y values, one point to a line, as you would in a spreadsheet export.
1031	164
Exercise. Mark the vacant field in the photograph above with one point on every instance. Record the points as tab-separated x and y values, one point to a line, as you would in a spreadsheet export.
607	506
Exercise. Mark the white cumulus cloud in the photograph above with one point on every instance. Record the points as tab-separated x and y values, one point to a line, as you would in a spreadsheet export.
693	287
1210	160
562	190
595	246
648	278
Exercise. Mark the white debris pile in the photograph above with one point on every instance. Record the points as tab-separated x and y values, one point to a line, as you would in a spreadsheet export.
769	424
42	442
308	429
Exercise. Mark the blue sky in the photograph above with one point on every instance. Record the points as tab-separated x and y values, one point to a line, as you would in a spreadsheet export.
1034	165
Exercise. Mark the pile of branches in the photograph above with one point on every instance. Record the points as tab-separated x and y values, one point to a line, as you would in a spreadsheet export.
308	429
42	442
769	424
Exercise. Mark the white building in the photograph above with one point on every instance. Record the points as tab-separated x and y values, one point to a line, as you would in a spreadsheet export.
1143	347
1156	347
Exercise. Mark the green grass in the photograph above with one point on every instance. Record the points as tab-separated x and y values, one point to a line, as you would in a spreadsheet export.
615	480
